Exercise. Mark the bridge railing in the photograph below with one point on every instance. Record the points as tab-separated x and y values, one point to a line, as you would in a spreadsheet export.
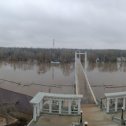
87	81
76	78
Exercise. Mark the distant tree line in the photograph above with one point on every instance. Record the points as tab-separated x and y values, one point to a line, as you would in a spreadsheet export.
105	55
62	55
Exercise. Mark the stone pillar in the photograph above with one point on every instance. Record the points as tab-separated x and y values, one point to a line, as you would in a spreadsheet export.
38	109
69	107
78	106
41	105
79	56
60	104
75	55
108	100
124	103
85	61
50	106
34	112
105	102
116	104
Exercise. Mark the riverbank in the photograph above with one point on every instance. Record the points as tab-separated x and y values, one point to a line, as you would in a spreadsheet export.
15	108
7	120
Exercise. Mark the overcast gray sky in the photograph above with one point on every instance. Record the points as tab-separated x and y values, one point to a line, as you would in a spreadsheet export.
73	23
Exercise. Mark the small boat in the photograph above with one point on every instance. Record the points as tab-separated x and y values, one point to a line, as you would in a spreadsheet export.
55	62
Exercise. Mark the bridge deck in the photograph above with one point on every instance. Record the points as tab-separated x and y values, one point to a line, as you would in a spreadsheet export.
82	85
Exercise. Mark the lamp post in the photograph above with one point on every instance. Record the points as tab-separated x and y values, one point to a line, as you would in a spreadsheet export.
85	123
122	118
101	104
81	121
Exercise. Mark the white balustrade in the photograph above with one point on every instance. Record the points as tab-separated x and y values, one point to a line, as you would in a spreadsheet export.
116	96
79	106
116	104
37	102
69	107
60	105
34	112
108	100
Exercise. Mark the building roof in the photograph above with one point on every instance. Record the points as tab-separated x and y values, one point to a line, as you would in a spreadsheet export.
40	95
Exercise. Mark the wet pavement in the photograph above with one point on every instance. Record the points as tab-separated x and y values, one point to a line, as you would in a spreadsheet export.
91	113
96	117
56	120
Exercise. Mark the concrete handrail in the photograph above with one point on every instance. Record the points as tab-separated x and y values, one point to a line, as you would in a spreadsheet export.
30	122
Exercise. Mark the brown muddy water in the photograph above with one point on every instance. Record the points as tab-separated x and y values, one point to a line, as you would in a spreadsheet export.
29	78
107	77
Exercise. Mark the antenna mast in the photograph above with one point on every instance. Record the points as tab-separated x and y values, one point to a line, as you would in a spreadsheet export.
53	43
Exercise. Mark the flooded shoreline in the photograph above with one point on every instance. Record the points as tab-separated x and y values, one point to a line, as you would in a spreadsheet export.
107	77
29	78
15	108
19	82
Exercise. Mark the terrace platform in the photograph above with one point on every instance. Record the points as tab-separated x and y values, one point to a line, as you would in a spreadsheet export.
55	120
55	104
96	117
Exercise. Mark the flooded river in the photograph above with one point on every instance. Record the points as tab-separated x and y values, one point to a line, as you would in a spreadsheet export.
107	77
29	78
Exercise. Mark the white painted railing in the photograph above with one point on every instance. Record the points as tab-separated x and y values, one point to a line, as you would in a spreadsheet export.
38	103
76	78
29	124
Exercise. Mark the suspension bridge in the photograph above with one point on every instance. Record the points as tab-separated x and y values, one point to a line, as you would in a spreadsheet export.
83	102
81	80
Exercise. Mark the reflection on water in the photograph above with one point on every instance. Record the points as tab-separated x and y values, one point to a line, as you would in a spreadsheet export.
29	78
107	67
107	77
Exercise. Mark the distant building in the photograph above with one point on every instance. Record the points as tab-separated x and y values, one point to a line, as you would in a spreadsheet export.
100	59
121	59
97	60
